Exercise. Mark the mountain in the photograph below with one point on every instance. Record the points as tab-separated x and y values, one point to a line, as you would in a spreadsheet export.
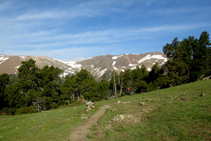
97	66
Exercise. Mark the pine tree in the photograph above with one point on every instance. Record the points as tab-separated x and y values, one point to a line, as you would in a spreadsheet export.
50	85
85	85
154	73
4	81
201	57
138	80
28	80
102	90
127	82
67	89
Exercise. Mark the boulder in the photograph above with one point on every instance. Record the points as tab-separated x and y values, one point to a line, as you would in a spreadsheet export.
148	100
89	105
202	95
84	117
121	118
184	99
141	103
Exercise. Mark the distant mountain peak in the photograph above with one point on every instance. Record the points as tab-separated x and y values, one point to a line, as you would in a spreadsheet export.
97	65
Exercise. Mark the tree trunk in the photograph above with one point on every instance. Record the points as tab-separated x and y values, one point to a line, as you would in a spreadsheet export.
120	82
114	84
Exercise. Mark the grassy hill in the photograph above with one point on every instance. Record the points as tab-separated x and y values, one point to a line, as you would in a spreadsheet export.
178	113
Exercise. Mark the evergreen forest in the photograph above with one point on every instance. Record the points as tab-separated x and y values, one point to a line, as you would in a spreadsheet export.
34	89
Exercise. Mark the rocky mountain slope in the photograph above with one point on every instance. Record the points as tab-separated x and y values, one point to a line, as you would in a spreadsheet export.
97	66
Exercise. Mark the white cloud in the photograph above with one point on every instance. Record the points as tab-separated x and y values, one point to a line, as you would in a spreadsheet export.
169	28
91	8
181	10
54	39
41	15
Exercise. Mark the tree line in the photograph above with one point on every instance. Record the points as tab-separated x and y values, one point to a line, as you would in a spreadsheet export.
35	89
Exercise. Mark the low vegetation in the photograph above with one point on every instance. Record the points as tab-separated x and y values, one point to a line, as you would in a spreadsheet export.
164	115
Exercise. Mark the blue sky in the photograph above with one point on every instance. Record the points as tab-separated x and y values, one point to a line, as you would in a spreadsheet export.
68	29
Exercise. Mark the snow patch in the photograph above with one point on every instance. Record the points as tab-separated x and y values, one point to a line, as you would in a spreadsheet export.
149	69
96	69
144	58
64	74
72	64
3	59
114	66
102	72
23	57
131	65
113	63
92	66
148	57
133	68
116	57
17	67
159	57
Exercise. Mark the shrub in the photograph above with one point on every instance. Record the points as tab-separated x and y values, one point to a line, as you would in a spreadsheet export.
25	110
9	111
54	105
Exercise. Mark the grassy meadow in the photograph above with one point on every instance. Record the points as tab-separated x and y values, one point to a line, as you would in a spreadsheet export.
177	113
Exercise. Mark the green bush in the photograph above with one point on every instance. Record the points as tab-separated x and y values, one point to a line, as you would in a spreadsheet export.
54	105
9	111
25	110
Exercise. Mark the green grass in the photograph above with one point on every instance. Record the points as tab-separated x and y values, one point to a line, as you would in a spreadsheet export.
164	117
47	125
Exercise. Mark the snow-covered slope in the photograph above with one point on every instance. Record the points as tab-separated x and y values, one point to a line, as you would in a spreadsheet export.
97	66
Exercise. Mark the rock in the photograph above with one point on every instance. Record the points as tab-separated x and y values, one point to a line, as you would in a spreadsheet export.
202	95
84	117
115	119
148	100
122	117
184	99
89	105
92	106
118	118
141	103
108	126
129	117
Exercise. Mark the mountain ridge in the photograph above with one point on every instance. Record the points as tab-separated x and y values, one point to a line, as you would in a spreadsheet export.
97	65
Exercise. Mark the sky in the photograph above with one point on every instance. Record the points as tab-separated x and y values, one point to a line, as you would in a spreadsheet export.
73	29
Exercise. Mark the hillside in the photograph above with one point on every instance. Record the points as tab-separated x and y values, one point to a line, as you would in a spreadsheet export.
97	66
177	113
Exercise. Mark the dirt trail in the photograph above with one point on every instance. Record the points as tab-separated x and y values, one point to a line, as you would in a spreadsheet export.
79	134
